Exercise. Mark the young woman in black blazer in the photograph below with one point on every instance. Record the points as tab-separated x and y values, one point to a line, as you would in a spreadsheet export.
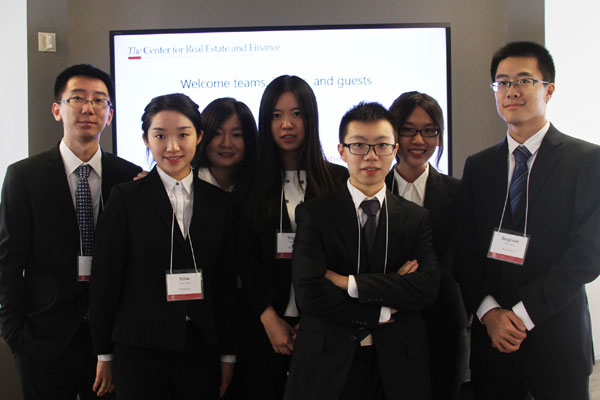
163	286
291	168
420	123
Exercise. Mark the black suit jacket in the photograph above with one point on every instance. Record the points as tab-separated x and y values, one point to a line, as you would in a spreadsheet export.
333	323
128	299
447	313
563	255
42	303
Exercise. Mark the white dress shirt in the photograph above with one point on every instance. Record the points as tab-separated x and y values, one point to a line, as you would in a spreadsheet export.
358	197
413	191
533	145
181	195
207	176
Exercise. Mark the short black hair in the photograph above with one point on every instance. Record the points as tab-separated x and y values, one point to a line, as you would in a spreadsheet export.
86	70
171	102
526	49
366	112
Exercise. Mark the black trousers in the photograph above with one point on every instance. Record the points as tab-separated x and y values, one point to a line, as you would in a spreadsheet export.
364	379
63	378
157	374
448	360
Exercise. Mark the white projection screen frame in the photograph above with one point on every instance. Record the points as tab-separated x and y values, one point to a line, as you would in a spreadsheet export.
344	64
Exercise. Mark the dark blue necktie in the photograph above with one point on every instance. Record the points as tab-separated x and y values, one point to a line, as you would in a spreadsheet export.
370	207
519	177
84	209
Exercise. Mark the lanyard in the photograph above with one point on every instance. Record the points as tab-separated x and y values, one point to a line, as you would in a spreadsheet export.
387	234
191	246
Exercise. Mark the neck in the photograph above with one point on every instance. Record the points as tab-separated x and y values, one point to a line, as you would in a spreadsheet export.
223	176
523	132
370	190
83	150
289	160
408	172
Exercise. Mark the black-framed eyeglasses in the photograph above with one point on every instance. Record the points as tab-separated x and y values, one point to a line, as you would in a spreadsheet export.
425	132
525	83
362	149
98	103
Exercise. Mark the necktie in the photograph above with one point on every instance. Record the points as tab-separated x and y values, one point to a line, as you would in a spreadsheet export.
84	209
370	207
519	177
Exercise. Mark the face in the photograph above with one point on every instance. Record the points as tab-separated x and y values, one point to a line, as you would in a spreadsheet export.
83	123
415	151
367	172
287	124
522	108
172	140
226	149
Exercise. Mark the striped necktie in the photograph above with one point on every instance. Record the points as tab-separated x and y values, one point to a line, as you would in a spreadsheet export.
519	177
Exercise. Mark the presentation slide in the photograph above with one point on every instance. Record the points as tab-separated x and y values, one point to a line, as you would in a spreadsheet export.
343	66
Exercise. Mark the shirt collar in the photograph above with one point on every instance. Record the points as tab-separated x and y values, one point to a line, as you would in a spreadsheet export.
170	182
358	196
419	183
72	162
533	143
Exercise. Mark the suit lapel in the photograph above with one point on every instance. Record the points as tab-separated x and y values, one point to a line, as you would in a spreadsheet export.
377	262
433	189
108	177
347	225
200	203
58	180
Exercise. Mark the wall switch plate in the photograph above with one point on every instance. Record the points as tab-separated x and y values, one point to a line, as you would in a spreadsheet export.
47	41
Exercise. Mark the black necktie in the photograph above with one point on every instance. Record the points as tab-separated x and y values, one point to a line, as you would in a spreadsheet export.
85	210
519	177
370	207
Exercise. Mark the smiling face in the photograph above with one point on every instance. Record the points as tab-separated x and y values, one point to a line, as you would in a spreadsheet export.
367	172
86	123
523	109
172	140
415	151
226	149
287	124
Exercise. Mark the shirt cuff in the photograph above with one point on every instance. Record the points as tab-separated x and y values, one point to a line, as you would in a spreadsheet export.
352	287
229	358
521	312
486	305
385	314
105	357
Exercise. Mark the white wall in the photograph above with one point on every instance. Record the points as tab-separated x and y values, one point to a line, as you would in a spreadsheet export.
13	85
573	41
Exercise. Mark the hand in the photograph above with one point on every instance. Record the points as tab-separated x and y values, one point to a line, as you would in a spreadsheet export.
103	384
280	333
226	377
338	280
140	175
409	267
505	328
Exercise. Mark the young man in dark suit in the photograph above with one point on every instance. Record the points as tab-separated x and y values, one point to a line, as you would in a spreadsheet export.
50	203
529	241
363	266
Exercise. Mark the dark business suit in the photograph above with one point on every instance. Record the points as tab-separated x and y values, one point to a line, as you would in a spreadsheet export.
446	318
266	281
333	323
128	299
43	304
563	253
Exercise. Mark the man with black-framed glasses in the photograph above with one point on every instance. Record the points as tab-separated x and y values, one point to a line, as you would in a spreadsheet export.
48	212
529	241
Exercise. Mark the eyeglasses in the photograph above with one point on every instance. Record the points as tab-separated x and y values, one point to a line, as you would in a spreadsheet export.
362	149
525	83
97	104
425	132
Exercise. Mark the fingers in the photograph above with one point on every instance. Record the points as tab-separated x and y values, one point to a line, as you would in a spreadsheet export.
408	267
516	321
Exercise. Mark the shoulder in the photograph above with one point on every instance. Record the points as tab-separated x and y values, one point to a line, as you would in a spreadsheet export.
570	143
36	161
442	182
119	164
325	203
339	172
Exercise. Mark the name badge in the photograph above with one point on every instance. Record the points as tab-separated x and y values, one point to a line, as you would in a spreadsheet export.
84	268
184	284
508	247
285	245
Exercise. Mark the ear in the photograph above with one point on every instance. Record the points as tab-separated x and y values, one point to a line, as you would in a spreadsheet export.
145	141
341	151
199	139
110	117
549	91
56	112
396	149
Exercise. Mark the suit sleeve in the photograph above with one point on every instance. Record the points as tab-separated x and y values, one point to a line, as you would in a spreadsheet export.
580	262
315	294
15	236
108	265
405	293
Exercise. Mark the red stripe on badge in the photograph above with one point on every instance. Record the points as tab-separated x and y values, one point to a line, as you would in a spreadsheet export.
83	277
191	296
283	255
505	257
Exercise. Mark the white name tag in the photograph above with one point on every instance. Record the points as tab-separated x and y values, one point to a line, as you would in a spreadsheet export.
285	245
84	268
184	285
508	247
